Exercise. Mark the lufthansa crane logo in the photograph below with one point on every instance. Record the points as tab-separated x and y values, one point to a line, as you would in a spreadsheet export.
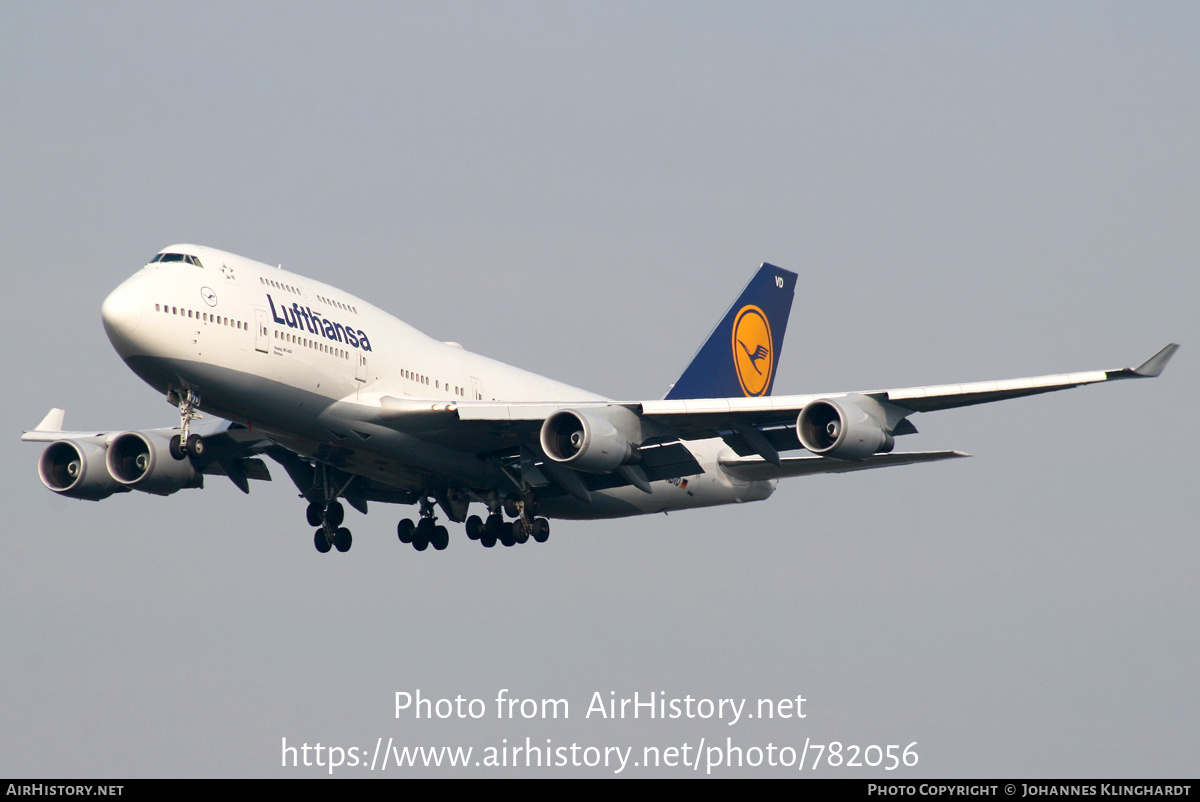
753	351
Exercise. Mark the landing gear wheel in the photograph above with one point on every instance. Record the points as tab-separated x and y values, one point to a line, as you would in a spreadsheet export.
314	514
322	542
334	513
541	530
195	445
474	527
177	451
424	534
494	530
342	540
519	535
406	530
440	539
510	508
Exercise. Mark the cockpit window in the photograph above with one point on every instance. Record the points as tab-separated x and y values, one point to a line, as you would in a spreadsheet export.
176	257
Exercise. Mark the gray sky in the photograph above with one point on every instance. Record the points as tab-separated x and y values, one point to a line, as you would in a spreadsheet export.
967	192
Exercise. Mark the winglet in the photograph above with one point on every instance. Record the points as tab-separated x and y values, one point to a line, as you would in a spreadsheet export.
53	422
1155	364
1148	369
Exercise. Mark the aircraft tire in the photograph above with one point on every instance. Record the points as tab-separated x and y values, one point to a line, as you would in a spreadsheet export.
334	513
406	530
314	514
519	535
175	448
487	539
474	527
342	540
321	542
195	445
440	539
419	543
541	530
510	508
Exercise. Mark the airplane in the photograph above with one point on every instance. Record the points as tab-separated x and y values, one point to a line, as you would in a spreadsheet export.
356	405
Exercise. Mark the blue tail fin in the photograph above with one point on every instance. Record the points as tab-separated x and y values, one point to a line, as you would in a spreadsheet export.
739	357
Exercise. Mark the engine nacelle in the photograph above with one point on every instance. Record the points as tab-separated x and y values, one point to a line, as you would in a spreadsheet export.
585	441
76	469
841	431
143	461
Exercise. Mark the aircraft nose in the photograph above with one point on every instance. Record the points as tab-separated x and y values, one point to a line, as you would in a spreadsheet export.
122	313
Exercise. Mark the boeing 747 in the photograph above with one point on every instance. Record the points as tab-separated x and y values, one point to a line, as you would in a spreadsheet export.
358	406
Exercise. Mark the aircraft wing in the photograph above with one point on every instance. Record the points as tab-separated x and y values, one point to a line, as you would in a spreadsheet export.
709	412
229	449
753	426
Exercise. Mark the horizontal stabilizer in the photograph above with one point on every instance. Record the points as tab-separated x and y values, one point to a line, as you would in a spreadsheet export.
753	469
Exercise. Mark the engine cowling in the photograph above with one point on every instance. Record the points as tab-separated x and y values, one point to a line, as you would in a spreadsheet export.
143	461
841	430
77	469
585	441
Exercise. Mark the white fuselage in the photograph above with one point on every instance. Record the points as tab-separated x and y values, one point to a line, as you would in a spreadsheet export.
299	361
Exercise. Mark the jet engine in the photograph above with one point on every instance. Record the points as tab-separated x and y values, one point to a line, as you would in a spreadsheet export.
143	461
76	469
585	441
841	431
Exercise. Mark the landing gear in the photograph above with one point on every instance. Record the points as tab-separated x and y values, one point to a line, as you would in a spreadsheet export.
509	533
474	527
322	542
406	531
185	443
520	530
327	516
425	532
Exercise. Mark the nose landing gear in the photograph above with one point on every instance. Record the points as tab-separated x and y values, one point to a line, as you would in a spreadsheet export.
186	443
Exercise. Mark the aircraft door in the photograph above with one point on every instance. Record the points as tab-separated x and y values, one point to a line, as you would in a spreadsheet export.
262	333
477	389
360	372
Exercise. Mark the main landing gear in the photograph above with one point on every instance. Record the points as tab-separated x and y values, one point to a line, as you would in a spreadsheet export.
426	532
330	533
495	530
328	517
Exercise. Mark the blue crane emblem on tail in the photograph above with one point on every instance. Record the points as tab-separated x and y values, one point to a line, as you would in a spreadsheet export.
760	352
755	362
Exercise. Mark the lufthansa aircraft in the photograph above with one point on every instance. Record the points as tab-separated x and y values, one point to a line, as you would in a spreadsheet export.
357	405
